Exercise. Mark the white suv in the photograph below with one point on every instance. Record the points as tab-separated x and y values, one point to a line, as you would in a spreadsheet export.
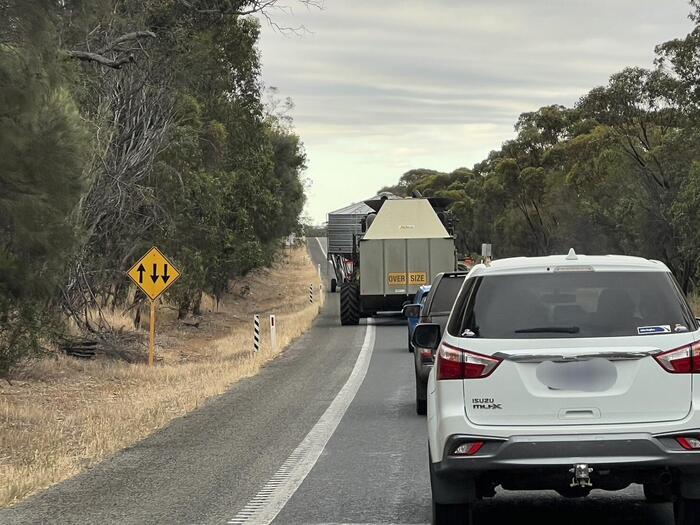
567	373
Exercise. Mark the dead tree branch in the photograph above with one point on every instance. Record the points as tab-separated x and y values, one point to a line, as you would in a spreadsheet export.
128	37
135	112
242	8
120	56
102	60
252	7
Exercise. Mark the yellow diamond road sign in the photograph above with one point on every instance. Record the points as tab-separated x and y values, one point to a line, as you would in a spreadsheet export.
154	273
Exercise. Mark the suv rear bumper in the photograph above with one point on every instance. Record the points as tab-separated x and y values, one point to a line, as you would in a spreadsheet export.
516	452
543	462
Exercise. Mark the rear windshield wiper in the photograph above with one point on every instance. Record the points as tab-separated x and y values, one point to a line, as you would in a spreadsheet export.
550	330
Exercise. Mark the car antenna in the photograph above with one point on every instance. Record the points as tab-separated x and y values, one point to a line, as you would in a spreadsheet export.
572	255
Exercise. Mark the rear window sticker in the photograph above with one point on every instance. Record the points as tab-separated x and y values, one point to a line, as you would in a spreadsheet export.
660	329
680	328
468	333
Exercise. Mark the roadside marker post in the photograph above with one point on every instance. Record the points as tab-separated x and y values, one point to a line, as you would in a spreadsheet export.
153	274
256	333
311	293
273	333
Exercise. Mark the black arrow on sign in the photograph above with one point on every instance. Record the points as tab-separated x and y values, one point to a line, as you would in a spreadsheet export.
165	275
141	269
154	276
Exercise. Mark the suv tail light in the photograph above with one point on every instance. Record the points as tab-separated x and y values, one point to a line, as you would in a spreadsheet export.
468	449
455	363
688	442
683	360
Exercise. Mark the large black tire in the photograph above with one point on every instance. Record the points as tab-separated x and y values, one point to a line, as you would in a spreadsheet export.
421	407
655	493
334	285
686	511
349	304
410	343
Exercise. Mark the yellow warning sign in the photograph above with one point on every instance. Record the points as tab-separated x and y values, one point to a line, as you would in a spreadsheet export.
414	278
154	273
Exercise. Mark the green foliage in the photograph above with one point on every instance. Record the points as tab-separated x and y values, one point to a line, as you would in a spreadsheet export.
42	147
230	177
162	139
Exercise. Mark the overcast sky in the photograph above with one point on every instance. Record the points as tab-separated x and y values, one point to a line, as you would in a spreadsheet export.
384	86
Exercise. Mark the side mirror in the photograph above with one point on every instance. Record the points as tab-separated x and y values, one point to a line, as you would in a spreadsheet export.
411	310
427	335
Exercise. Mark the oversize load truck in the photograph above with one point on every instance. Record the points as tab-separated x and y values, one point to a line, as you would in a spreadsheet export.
405	243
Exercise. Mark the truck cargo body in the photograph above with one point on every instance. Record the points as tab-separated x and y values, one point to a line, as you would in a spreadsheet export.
392	270
404	244
343	226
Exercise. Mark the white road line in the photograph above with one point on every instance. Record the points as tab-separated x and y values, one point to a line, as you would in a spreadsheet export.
275	494
323	250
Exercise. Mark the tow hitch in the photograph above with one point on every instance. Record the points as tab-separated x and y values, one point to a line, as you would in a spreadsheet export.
582	475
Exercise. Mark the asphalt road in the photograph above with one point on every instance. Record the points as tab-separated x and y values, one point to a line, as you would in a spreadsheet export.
327	433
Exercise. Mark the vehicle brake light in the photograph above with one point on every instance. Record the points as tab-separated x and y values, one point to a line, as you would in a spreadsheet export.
689	443
468	449
426	356
455	363
683	360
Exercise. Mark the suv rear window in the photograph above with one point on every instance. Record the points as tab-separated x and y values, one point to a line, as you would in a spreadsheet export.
446	293
571	304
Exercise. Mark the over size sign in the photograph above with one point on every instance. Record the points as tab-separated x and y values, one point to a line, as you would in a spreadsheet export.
410	278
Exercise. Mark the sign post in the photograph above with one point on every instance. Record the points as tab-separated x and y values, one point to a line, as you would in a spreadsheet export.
153	274
152	336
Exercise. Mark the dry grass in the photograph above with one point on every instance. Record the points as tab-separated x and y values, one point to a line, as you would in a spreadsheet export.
694	301
62	415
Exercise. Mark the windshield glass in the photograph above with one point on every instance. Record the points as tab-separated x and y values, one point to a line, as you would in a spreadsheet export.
571	304
446	293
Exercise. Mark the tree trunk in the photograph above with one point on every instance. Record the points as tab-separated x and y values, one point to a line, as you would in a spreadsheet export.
197	304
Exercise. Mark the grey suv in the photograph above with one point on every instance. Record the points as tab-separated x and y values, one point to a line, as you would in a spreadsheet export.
435	309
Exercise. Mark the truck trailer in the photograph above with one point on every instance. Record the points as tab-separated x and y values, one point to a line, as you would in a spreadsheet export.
344	226
401	245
